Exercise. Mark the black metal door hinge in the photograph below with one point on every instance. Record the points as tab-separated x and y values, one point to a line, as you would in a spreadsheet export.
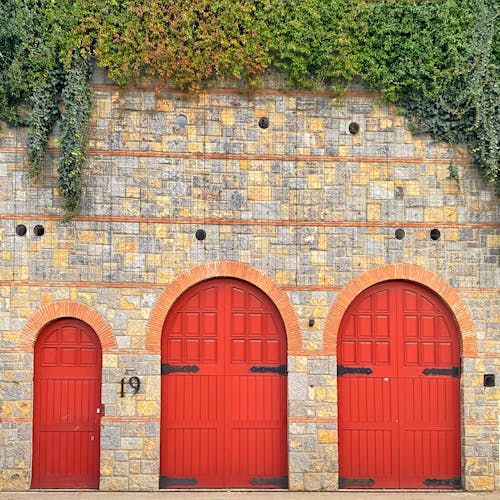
345	370
281	481
167	368
344	482
166	481
455	482
453	371
280	369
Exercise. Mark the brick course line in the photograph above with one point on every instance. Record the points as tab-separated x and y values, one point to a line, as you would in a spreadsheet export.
250	222
161	286
481	422
129	351
130	419
325	420
269	157
256	157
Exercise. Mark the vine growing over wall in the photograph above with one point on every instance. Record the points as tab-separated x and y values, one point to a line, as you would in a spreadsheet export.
45	75
438	60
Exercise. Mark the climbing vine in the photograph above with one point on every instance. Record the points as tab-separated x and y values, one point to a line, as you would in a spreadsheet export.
438	60
76	100
183	41
45	79
440	64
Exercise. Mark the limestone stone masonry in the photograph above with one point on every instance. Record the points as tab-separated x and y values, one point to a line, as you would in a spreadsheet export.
308	207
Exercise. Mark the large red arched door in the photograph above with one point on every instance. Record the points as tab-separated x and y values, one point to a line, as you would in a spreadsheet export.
66	406
399	392
224	404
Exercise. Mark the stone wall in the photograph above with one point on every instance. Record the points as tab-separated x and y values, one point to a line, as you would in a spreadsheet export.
304	204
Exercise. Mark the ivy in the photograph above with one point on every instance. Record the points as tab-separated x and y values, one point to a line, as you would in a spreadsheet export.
76	100
183	41
440	63
438	60
313	41
44	114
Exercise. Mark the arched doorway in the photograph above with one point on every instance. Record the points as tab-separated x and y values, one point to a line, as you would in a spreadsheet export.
224	401
399	390
66	406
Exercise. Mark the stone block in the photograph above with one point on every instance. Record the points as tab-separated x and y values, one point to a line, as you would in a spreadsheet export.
479	483
110	438
297	386
298	462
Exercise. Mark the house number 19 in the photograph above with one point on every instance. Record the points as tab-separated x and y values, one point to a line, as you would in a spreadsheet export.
133	382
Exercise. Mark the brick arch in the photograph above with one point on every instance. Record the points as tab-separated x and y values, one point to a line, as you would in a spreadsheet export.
468	346
65	309
217	270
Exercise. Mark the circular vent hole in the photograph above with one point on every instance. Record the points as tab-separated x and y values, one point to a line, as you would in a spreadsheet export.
400	234
201	234
20	229
435	234
181	120
264	122
39	230
354	128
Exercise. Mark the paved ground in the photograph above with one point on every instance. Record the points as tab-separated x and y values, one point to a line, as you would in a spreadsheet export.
247	495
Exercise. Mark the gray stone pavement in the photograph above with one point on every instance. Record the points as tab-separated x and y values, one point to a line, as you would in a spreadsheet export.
248	495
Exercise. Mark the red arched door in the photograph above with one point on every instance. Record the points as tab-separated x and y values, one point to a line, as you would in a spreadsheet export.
399	392
66	406
223	418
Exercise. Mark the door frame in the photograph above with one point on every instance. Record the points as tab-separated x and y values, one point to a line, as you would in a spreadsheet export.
283	335
345	307
47	328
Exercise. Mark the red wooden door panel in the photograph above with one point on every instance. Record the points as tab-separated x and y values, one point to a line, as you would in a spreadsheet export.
223	397
66	407
399	414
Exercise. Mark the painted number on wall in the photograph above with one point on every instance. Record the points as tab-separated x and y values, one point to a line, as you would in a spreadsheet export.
133	382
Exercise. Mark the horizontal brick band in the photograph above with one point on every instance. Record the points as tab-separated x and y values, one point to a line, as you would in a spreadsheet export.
315	420
249	222
16	419
162	285
256	157
493	422
130	419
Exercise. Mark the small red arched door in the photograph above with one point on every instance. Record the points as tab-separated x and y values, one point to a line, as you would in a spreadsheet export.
66	406
223	417
399	392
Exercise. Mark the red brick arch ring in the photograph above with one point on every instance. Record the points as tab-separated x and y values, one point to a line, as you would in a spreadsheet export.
218	270
65	309
407	272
